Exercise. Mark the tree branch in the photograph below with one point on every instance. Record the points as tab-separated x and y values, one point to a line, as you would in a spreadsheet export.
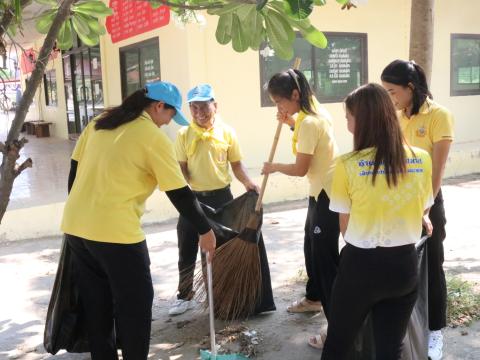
26	164
218	5
213	5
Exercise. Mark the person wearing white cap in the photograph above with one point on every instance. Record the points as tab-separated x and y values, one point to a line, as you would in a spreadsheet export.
204	150
118	161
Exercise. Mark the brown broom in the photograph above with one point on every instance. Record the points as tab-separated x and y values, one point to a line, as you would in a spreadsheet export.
237	280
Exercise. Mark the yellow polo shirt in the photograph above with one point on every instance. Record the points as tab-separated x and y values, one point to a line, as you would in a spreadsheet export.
315	137
208	154
117	171
433	123
381	215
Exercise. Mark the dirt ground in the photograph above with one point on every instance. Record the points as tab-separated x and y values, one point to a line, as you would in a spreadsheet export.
27	270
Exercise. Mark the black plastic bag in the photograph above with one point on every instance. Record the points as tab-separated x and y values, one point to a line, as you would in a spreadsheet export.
64	328
415	344
227	222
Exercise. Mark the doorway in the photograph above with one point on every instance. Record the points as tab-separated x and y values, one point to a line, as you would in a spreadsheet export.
82	72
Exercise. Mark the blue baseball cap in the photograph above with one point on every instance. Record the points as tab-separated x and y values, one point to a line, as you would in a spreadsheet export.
169	94
202	92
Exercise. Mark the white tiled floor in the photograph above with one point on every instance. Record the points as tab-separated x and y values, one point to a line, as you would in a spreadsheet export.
46	182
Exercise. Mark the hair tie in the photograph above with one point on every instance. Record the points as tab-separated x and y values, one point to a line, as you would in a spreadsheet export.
294	76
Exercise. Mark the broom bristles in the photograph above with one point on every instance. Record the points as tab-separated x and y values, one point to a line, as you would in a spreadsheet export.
237	280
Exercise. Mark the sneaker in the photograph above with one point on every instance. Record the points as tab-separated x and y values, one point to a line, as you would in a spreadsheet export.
435	345
180	306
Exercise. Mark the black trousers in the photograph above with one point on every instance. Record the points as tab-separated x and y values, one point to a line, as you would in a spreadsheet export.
437	285
321	249
381	280
116	294
188	241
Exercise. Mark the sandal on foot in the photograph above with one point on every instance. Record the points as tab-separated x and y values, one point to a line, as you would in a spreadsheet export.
303	305
317	341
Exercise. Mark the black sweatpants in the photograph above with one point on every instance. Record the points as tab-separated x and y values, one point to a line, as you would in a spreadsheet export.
188	241
321	249
381	280
116	294
437	286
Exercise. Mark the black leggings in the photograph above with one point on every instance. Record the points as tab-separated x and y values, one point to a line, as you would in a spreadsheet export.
116	293
382	281
321	249
188	241
437	286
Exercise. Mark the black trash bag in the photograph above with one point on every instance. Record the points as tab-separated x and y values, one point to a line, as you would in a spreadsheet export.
64	328
415	344
227	222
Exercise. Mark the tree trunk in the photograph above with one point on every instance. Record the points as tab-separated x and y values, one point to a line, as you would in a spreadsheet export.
421	34
11	149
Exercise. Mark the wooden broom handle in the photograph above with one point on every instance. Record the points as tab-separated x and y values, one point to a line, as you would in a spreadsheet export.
258	206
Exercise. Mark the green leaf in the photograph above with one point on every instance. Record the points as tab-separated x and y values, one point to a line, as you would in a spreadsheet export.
89	40
224	29
229	8
240	41
244	11
95	26
308	31
18	9
45	20
80	25
261	4
315	37
64	36
282	27
257	30
93	8
278	37
320	2
298	9
279	7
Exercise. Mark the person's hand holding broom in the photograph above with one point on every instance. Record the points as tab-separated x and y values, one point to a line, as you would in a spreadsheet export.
207	243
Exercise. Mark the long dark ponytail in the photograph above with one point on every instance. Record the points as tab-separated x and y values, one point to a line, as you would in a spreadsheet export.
283	83
377	126
130	109
404	73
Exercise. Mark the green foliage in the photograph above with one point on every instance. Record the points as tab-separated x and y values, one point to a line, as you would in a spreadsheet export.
83	21
273	21
245	25
298	9
463	302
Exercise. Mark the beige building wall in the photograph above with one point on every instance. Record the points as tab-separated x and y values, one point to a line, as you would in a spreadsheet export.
457	17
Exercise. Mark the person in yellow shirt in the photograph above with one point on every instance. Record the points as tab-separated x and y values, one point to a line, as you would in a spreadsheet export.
429	126
314	148
381	191
118	161
205	151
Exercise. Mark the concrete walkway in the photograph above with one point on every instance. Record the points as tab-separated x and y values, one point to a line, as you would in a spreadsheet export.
45	183
27	270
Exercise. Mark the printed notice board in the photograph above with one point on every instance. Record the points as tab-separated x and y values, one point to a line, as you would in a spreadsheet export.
132	18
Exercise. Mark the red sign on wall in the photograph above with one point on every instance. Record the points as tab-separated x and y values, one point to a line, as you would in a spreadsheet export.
132	18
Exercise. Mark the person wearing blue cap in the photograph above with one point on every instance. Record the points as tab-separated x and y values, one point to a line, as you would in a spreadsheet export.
205	149
118	161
